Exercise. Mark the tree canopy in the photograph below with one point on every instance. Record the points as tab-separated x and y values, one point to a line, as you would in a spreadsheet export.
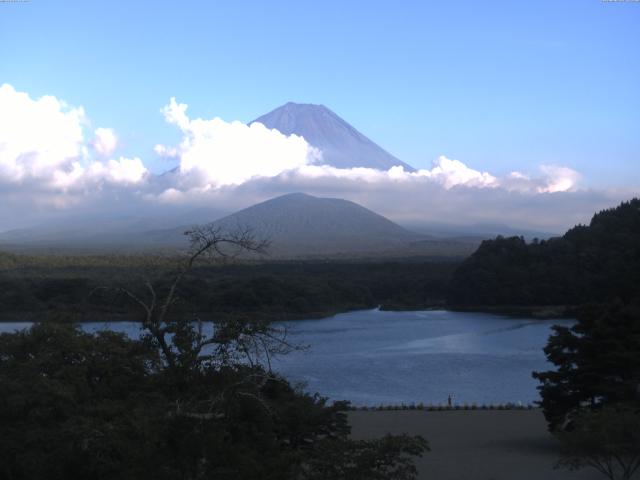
597	362
592	399
593	263
79	405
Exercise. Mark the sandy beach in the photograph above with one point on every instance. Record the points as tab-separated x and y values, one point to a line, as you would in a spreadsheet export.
474	445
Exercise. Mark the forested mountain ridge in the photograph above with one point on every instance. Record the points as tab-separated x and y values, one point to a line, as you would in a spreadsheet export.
589	263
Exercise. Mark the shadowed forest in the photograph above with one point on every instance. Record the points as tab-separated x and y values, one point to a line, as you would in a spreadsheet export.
590	263
82	289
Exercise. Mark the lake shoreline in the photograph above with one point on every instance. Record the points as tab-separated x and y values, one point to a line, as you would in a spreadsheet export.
101	317
541	312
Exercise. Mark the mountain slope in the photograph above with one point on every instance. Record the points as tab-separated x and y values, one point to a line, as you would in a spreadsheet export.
104	232
300	224
342	145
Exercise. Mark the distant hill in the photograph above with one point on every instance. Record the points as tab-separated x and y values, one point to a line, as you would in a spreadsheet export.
103	232
303	226
476	231
593	263
341	144
300	224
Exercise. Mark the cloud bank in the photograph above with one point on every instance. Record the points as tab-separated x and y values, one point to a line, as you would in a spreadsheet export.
219	153
43	148
49	161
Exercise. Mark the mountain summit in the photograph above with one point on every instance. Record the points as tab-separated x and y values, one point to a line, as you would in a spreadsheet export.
341	144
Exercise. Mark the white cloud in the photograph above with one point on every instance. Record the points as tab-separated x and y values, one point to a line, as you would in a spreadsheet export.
450	173
222	153
166	152
445	172
43	148
49	160
37	136
558	179
105	141
121	171
552	179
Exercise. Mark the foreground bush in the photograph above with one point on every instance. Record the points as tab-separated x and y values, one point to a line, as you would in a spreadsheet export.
77	405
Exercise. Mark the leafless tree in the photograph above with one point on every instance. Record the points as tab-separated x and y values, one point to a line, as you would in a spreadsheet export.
178	340
233	343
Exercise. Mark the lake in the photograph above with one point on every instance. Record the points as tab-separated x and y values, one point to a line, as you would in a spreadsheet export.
373	357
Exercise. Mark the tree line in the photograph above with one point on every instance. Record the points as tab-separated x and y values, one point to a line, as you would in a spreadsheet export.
589	263
272	291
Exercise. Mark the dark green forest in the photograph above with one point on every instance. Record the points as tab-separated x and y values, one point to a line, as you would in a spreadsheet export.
590	263
80	289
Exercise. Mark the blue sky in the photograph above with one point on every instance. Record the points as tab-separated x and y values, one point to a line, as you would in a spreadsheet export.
500	85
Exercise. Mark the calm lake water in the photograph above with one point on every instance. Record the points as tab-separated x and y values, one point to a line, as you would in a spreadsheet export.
373	357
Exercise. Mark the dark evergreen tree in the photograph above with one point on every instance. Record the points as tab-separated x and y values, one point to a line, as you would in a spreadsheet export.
597	363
